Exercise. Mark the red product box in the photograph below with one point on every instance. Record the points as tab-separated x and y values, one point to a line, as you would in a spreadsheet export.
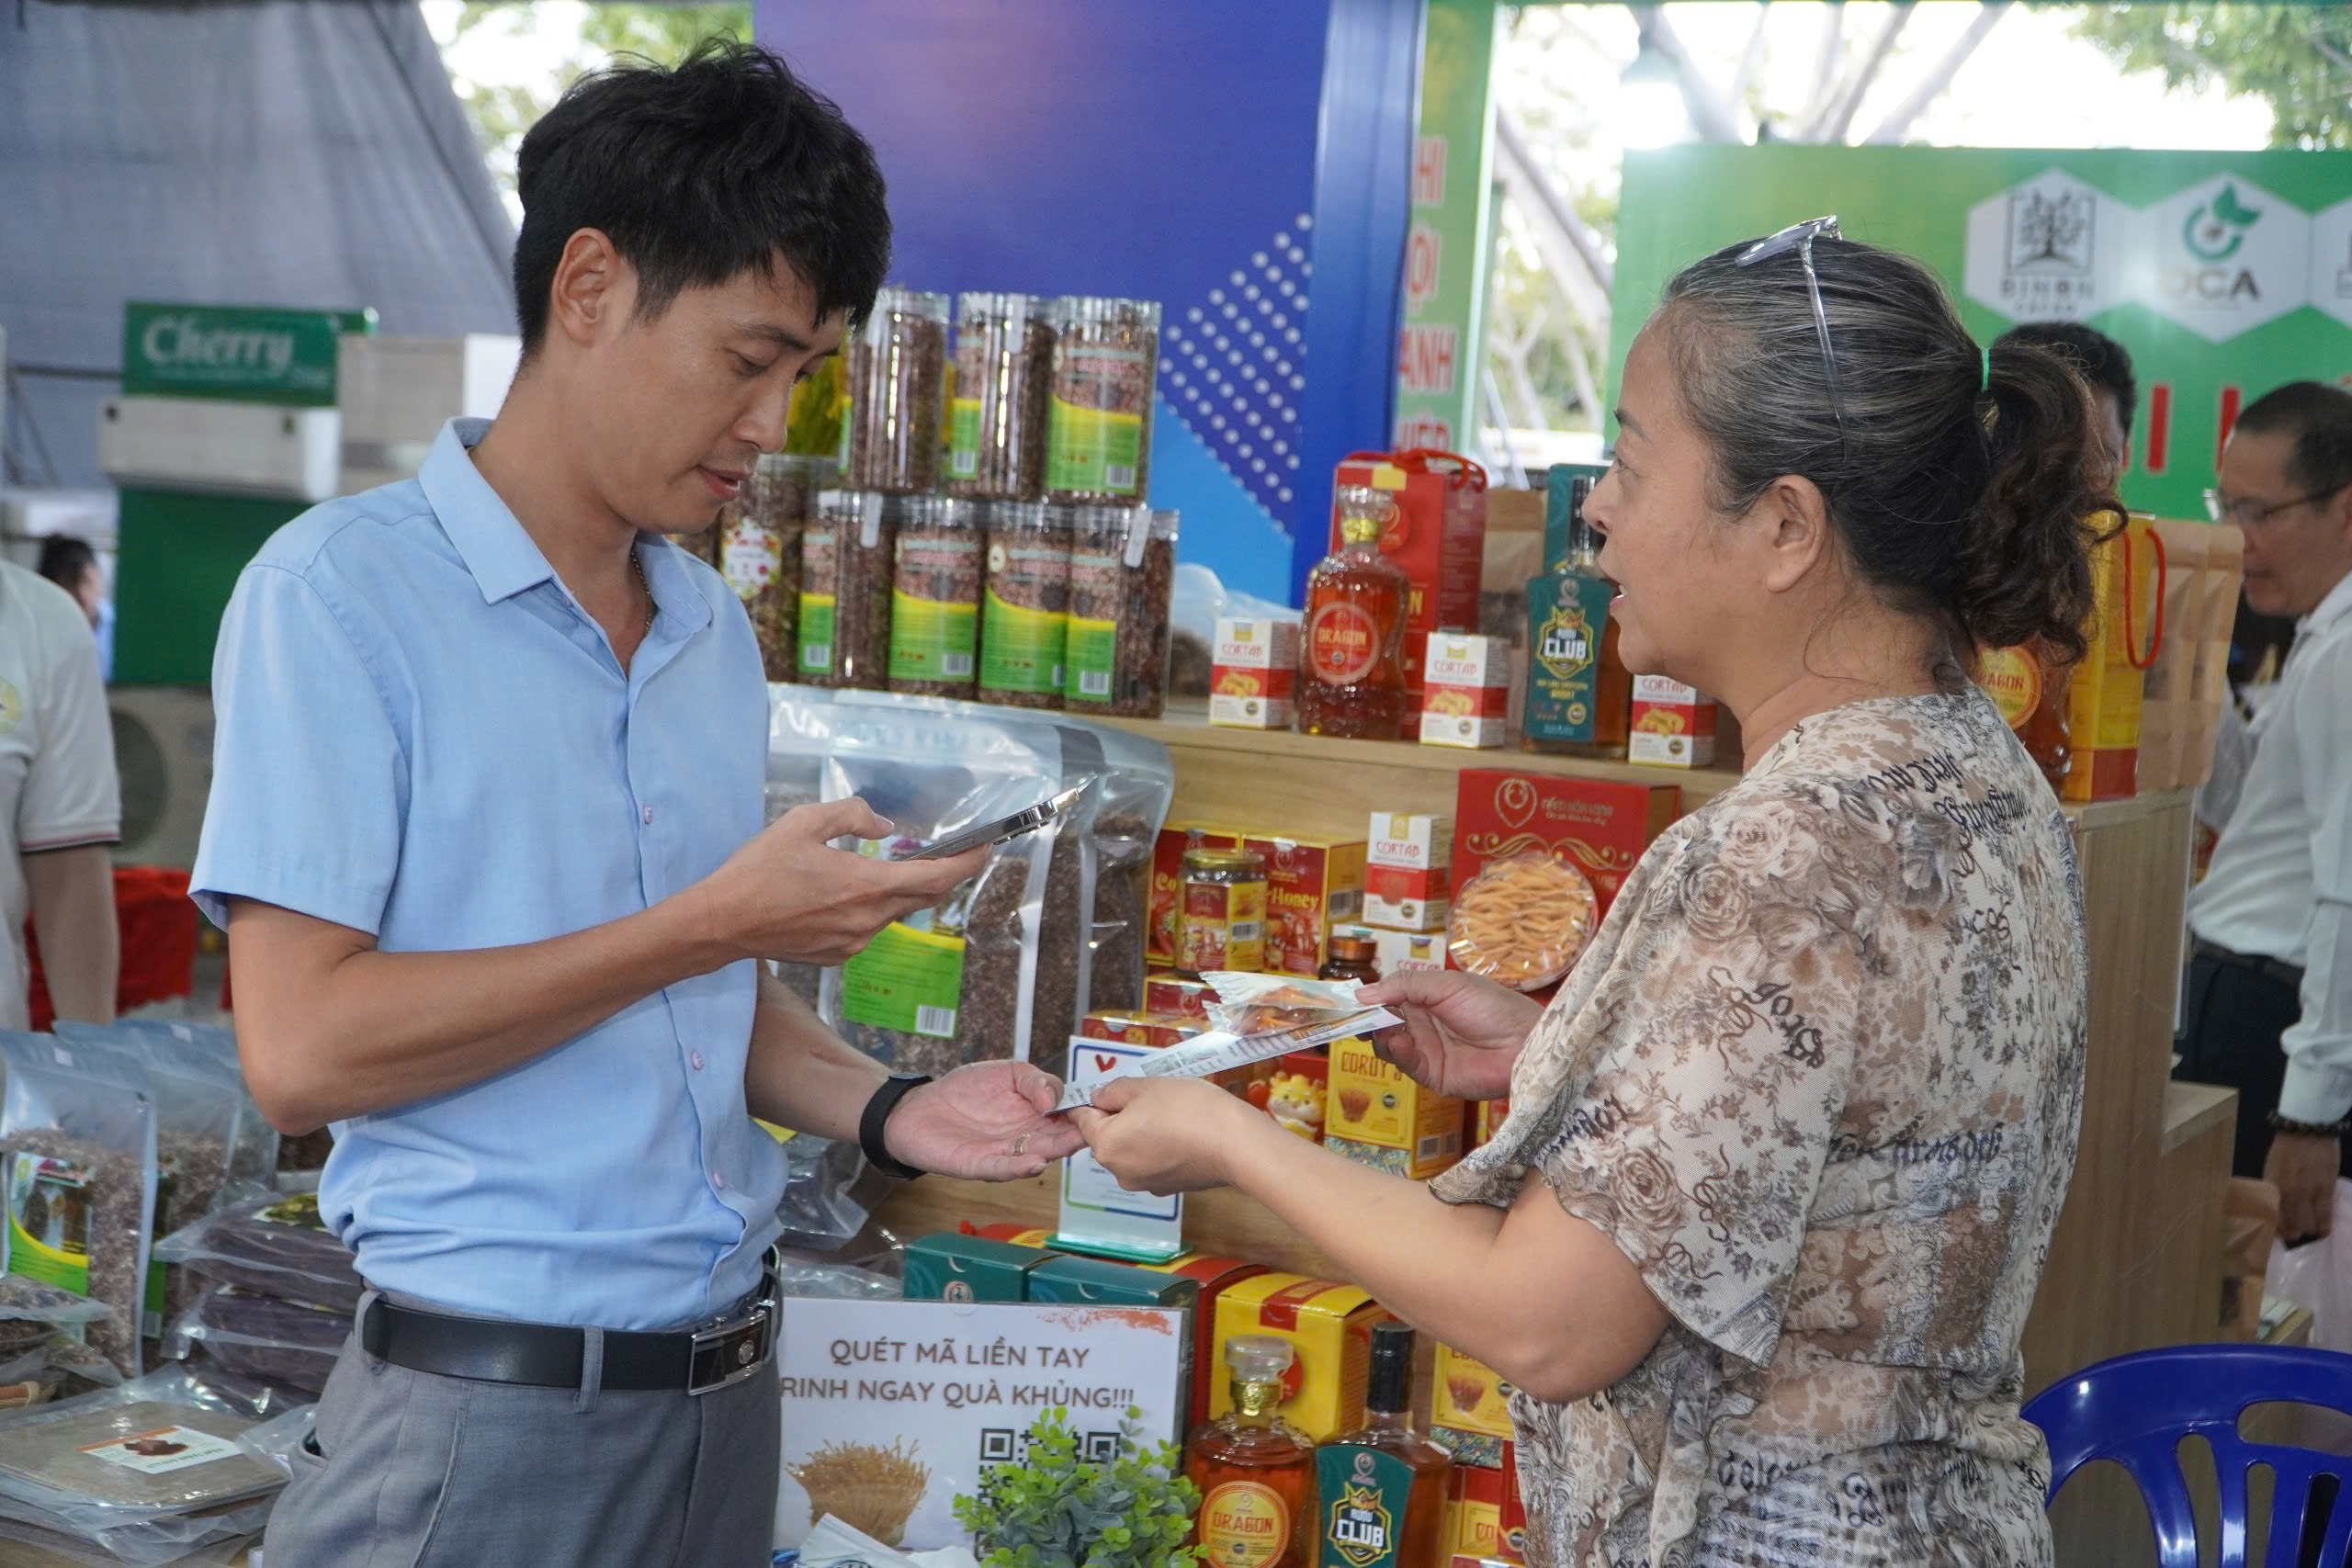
1167	887
1394	883
1167	994
1439	538
1599	828
1311	883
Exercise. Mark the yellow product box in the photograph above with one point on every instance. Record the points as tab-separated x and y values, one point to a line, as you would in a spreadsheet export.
1310	884
1473	1513
1469	1409
1377	1116
1330	1329
2104	695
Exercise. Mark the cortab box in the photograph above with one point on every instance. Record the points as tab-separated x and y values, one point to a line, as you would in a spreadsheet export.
1088	1282
1170	995
1168	885
1413	840
1379	1117
1598	827
1310	884
1439	538
1673	725
1405	900
1469	1408
1214	1276
1465	694
1330	1329
951	1267
1395	952
1254	680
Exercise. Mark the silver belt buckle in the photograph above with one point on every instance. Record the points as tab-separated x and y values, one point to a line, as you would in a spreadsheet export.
725	1356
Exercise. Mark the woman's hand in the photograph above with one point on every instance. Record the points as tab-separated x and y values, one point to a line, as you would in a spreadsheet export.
1461	1035
1165	1136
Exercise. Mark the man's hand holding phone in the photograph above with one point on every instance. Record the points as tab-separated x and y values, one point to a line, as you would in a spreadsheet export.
789	894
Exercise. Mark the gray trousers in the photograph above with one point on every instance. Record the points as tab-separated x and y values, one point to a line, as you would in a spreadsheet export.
416	1471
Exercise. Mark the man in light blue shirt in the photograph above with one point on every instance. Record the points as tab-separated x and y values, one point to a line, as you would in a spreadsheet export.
486	835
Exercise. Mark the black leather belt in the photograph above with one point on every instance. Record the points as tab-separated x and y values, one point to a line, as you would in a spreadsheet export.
2277	969
546	1356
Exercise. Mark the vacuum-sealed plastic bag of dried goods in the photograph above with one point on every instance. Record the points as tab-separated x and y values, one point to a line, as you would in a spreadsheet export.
275	1243
31	1312
204	1050
77	1137
259	1337
1122	577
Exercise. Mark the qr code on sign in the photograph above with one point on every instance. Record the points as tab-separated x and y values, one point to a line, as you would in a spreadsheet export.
1002	1444
1100	1447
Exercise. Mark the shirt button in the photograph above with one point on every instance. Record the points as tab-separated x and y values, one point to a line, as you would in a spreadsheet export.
719	1181
696	1060
648	816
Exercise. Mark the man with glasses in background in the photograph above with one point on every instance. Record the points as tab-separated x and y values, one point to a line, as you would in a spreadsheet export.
2269	1002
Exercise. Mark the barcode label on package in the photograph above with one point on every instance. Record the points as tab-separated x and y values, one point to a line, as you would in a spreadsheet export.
1244	931
1095	683
956	666
1118	476
939	1022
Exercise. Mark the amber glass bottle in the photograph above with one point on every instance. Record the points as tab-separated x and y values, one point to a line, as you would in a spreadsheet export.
1352	958
1356	601
1256	1471
1380	1494
2032	695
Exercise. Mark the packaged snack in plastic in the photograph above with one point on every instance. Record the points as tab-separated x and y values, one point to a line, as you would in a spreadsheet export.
1258	1004
149	1470
1007	966
259	1337
77	1134
204	1053
1522	921
274	1243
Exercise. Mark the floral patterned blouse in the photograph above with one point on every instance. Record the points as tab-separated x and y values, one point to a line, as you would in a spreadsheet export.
1819	1077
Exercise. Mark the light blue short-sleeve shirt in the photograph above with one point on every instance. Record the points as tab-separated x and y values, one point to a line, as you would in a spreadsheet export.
423	735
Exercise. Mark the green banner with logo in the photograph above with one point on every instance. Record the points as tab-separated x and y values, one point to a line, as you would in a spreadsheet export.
239	353
2225	273
1447	245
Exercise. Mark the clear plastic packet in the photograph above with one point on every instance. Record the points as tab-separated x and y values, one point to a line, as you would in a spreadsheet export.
276	1440
805	1274
148	1471
1522	921
77	1138
261	1337
204	1053
1258	1004
1218	1052
272	1243
829	1192
34	1547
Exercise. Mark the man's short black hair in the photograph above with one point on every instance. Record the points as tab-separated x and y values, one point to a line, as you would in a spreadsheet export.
65	560
2320	419
2099	358
698	174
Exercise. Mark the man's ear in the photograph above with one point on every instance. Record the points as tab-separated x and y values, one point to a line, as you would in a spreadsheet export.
593	290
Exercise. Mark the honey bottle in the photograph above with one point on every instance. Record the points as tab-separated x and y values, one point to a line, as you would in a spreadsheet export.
1255	1471
1380	1490
1357	603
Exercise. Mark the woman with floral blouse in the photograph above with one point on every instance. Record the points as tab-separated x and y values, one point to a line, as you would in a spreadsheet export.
1757	1242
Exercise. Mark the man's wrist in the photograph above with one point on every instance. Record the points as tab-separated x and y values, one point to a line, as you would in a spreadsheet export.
2288	1127
873	1124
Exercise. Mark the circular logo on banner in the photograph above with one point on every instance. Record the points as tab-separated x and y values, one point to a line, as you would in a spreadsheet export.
1343	644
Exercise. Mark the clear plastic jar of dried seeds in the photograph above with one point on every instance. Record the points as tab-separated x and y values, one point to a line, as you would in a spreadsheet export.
897	394
846	566
1106	357
935	596
1122	576
996	421
1024	619
758	551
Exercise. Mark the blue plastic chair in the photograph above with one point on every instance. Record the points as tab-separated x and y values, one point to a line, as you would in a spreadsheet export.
2136	1409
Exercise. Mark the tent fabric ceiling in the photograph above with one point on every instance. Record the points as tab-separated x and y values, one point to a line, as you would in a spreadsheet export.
271	151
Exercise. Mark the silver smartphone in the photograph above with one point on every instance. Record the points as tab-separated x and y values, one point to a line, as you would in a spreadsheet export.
1004	828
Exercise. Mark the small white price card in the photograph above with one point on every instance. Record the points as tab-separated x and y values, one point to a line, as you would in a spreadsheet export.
1098	1214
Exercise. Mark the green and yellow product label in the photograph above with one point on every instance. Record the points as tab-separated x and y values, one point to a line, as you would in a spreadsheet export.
48	1221
906	980
1362	1495
1567	616
1093	658
964	438
816	634
1021	649
300	1210
1094	451
930	641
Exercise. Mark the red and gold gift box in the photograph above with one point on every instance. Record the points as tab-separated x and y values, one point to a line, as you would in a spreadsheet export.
1599	828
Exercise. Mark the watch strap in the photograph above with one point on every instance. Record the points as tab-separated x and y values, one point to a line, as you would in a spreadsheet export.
877	1115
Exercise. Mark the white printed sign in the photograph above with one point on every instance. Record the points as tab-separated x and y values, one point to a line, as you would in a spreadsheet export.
892	1409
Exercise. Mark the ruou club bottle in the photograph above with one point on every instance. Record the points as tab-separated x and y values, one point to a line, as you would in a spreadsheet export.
1353	682
1256	1471
1380	1490
1580	694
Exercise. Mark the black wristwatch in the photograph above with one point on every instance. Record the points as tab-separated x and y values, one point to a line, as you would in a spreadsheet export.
877	1113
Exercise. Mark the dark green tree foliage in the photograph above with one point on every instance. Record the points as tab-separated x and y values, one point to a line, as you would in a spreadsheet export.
2297	57
1055	1509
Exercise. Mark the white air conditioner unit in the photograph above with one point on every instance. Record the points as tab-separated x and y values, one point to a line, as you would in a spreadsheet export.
396	392
162	749
192	444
